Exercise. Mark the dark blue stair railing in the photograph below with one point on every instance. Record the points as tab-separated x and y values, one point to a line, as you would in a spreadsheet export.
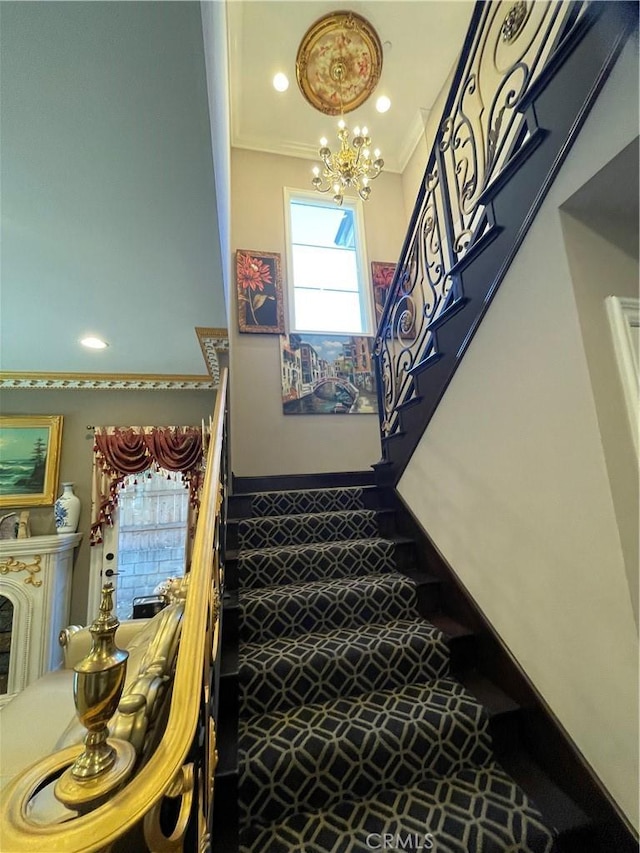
527	76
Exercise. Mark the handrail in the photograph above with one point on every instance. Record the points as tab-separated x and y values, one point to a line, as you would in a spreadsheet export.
167	771
489	128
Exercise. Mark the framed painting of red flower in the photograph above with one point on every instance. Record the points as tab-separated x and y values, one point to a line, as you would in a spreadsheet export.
259	289
381	275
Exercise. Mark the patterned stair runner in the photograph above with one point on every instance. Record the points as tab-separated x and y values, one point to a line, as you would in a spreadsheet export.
351	728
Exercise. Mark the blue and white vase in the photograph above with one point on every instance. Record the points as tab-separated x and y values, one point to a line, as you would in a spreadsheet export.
67	510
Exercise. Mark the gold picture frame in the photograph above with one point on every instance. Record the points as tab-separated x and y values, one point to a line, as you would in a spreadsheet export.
29	459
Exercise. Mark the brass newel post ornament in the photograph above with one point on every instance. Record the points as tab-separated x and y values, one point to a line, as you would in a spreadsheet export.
97	686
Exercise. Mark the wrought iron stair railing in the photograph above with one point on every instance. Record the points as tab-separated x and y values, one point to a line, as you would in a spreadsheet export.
527	76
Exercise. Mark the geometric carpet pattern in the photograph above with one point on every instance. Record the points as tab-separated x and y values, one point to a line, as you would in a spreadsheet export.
306	501
316	561
472	811
353	736
318	755
280	674
307	527
292	610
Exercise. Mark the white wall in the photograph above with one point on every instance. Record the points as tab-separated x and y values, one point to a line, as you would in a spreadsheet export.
109	221
600	269
511	481
264	441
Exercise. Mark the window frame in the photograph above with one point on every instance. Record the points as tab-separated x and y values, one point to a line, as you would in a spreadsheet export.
364	285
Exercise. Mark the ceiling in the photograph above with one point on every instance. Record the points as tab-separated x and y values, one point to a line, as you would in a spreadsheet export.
421	40
109	220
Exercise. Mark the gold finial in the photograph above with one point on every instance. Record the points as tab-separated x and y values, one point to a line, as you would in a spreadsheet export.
97	687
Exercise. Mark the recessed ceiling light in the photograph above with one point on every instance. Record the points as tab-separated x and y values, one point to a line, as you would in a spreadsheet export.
281	82
94	343
382	104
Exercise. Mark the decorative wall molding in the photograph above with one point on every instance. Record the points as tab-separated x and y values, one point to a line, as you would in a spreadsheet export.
624	319
212	342
105	381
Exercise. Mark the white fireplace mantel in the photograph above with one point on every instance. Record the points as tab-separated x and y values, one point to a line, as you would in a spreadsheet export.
35	575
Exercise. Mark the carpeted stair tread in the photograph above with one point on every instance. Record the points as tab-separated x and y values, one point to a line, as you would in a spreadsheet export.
314	561
316	668
349	721
322	606
473	811
316	755
267	531
306	501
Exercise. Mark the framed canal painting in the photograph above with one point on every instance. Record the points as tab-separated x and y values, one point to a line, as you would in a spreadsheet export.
327	375
259	290
29	459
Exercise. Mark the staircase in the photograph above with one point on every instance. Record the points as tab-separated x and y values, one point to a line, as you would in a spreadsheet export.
363	721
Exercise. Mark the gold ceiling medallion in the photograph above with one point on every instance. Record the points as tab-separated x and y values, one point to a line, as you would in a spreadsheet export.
339	62
514	22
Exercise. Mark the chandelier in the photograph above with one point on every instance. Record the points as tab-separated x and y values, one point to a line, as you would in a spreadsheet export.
352	166
338	66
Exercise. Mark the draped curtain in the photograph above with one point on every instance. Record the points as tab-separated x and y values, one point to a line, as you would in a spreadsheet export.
120	452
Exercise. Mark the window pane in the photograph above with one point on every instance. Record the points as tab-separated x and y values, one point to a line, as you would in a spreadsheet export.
318	225
327	311
330	269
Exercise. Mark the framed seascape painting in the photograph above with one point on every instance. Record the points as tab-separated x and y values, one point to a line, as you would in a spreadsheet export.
259	290
327	375
29	459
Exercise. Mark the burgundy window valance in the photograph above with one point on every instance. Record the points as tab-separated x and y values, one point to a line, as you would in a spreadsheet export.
120	452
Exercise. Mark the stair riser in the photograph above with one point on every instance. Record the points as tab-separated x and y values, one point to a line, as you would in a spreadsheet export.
304	529
296	768
294	503
463	823
288	613
280	678
258	569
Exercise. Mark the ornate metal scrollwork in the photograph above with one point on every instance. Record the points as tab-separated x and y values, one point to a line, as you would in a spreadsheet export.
514	21
482	133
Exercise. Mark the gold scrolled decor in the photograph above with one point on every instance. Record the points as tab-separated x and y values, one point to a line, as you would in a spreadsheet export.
182	786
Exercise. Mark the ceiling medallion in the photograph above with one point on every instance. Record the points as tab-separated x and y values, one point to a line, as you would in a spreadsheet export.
339	62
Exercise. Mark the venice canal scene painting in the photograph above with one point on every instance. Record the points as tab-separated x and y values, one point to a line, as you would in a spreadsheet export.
327	374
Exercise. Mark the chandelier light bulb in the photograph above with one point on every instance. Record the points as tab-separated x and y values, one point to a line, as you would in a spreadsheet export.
316	171
356	131
323	142
365	131
376	153
341	124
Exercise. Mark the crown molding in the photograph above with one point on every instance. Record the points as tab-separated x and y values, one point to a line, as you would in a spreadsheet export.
104	382
212	342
